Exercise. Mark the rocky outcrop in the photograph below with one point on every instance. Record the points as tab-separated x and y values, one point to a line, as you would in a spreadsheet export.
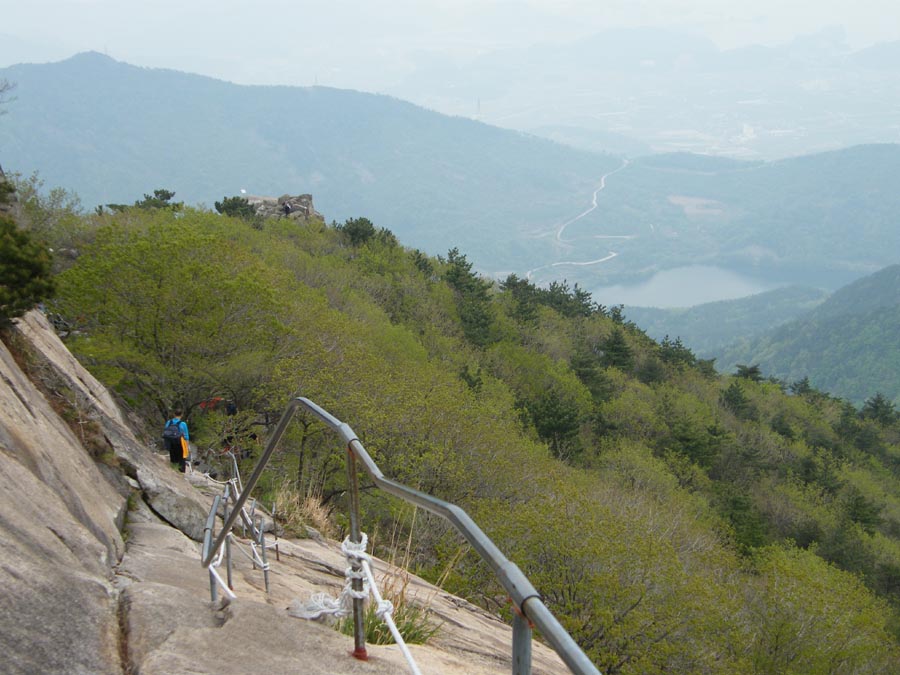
296	207
176	502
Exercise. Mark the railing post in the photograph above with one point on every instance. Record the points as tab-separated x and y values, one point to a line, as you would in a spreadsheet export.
208	534
213	590
359	630
521	642
228	561
262	552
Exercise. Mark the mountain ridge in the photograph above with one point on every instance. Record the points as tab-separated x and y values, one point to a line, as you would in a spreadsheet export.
204	135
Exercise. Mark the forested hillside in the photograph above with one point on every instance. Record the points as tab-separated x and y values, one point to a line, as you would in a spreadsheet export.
848	345
674	519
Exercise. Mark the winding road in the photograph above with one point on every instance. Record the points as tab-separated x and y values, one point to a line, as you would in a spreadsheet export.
562	228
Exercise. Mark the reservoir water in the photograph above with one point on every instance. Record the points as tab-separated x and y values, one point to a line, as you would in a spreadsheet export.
683	287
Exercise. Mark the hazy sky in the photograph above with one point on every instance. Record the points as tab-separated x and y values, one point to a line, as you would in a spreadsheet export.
369	45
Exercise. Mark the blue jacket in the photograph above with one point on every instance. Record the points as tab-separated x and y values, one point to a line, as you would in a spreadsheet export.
184	429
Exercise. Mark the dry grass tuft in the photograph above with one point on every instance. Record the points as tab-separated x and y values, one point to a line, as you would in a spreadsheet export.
297	512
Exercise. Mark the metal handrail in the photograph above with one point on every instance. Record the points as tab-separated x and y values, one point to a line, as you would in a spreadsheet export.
529	605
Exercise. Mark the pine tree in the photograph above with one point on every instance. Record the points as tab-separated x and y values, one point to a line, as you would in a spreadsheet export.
25	271
616	351
880	409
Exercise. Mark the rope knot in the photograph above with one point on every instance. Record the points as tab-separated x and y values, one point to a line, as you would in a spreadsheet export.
385	608
356	551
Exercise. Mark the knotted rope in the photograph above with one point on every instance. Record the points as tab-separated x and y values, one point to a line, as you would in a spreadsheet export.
321	605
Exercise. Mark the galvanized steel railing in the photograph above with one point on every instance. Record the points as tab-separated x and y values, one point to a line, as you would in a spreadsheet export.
257	544
530	609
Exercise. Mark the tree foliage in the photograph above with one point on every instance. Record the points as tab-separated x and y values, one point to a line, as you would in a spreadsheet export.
236	207
160	199
25	265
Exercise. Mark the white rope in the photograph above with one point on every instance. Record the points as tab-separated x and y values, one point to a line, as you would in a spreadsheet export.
385	613
222	584
321	605
213	480
257	558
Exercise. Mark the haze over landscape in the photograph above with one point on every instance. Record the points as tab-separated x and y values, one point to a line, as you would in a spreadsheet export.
760	80
622	280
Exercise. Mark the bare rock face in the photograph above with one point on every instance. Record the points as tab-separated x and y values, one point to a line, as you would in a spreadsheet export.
34	436
296	207
59	526
58	613
173	498
165	491
61	517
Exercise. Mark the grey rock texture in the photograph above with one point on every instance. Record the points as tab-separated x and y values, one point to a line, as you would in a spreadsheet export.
287	206
59	525
165	491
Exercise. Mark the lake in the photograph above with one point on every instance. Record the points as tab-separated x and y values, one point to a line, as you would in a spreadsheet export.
683	287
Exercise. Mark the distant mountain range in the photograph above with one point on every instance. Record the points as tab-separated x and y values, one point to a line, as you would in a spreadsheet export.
511	201
111	132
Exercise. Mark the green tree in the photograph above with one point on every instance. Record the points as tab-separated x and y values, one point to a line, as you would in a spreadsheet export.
472	300
611	572
735	400
173	309
237	207
862	510
616	351
357	230
6	189
54	216
557	422
160	199
880	409
675	353
801	386
707	368
752	373
569	303
810	617
25	265
525	295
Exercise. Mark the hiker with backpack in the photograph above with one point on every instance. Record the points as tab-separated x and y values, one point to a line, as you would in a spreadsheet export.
176	437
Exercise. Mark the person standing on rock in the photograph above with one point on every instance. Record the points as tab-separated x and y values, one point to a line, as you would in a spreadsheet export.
175	430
